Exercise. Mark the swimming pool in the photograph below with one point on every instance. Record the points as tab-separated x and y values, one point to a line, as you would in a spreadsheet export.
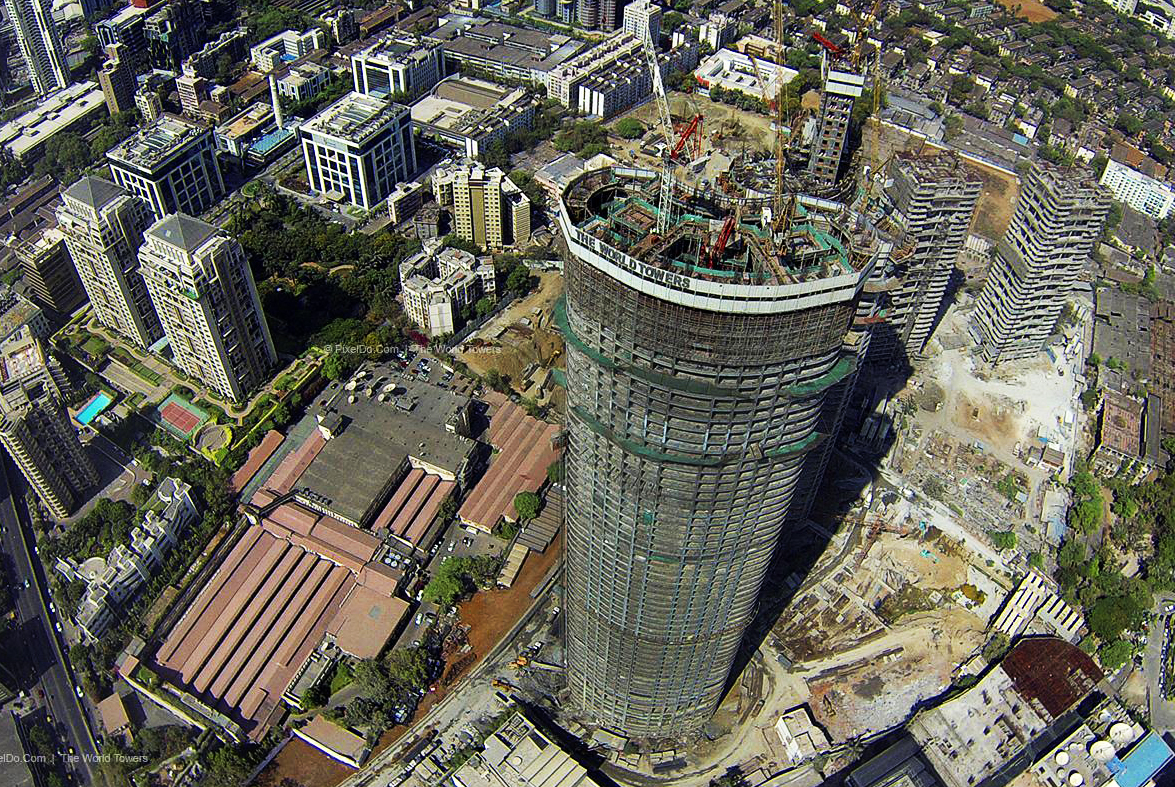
96	405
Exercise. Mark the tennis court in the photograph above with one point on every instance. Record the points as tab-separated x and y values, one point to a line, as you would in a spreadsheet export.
180	417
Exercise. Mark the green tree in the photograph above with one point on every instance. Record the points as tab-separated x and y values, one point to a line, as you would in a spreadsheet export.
1114	655
995	648
629	128
226	765
1002	540
527	504
408	667
447	585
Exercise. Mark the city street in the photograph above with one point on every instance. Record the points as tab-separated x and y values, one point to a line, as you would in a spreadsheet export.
46	664
1162	711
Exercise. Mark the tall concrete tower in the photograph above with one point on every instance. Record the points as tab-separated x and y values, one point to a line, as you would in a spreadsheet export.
103	227
1057	220
841	88
40	46
204	293
697	384
933	200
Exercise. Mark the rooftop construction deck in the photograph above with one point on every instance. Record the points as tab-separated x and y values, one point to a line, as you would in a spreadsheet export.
618	208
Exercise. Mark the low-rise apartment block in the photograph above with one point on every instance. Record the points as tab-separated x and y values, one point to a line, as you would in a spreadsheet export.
439	284
113	581
1140	191
303	81
286	46
613	75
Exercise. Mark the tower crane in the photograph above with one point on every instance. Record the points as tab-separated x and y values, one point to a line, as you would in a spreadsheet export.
666	120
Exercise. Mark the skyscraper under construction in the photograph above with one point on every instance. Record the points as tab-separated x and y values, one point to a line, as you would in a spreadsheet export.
706	367
1057	221
933	199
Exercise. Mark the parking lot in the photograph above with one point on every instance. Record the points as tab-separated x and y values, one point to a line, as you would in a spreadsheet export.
1156	664
457	541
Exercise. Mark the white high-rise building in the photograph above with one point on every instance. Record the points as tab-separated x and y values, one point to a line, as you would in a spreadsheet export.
206	299
358	149
1057	221
40	46
103	228
1138	190
398	65
171	164
641	17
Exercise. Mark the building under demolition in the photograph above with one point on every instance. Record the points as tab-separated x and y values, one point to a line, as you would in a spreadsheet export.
707	369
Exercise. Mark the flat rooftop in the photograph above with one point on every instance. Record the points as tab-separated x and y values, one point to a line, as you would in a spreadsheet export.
355	466
412	416
1121	427
53	114
507	45
354	118
15	310
247	121
155	144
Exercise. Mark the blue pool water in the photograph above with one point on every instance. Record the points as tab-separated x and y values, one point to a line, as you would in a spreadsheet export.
99	403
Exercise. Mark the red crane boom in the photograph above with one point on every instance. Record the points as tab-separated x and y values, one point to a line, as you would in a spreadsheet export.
723	238
695	124
824	42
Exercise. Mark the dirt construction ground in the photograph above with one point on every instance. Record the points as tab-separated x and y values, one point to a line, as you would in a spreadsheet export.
490	613
490	355
878	685
1031	10
1000	189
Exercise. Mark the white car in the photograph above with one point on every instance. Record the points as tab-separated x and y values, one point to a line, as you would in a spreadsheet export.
419	618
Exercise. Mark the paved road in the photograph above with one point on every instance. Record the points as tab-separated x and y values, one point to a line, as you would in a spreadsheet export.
45	660
1162	711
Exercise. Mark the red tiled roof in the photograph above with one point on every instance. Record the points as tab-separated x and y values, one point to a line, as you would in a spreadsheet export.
277	593
257	456
292	467
414	505
525	451
365	621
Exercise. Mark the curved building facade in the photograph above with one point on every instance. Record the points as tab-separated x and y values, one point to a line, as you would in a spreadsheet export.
696	392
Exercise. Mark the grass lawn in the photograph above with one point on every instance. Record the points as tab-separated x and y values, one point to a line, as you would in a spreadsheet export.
342	677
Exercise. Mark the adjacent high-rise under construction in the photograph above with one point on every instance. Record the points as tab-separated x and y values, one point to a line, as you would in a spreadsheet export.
842	86
1057	221
706	367
933	199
